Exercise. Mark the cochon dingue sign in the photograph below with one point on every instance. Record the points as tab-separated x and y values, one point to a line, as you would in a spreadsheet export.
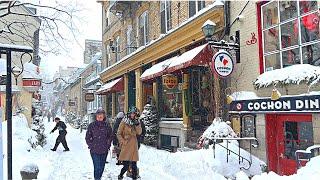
284	104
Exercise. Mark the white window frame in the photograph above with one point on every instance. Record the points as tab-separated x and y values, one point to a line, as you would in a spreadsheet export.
167	17
278	25
145	25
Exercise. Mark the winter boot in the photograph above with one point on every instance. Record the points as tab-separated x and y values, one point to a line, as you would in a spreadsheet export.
53	149
66	150
120	177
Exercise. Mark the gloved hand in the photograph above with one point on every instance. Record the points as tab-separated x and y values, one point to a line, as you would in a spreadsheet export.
136	122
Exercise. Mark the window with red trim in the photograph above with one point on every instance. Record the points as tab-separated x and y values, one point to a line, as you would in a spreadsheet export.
290	33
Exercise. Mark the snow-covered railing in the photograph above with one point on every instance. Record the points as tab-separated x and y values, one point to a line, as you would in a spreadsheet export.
215	140
306	155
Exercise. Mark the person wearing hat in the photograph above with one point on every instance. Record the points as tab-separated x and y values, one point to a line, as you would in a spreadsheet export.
98	138
61	126
128	131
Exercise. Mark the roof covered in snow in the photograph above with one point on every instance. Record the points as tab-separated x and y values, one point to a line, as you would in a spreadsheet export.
30	71
244	95
294	74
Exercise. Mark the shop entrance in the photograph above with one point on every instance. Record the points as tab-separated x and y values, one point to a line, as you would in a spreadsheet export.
287	133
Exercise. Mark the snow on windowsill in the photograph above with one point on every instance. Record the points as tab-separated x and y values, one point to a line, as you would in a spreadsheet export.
201	12
294	74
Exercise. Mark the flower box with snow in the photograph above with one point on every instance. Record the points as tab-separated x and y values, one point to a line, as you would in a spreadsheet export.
29	171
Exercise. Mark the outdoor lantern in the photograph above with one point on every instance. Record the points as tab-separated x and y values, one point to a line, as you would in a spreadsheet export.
208	29
275	95
229	99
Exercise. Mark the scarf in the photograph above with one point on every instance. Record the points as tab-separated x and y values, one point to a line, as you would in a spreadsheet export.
128	121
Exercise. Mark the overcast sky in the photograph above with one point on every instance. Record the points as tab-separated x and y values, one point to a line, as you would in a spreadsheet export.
90	29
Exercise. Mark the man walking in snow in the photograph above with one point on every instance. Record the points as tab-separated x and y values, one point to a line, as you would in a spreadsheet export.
98	138
61	126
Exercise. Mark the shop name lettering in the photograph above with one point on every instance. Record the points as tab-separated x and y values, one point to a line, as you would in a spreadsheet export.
224	69
170	81
308	104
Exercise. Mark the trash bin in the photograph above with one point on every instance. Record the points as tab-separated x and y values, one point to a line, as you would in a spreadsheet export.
29	171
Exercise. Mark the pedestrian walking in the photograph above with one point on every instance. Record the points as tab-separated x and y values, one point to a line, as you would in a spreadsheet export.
49	115
61	126
127	133
98	138
115	142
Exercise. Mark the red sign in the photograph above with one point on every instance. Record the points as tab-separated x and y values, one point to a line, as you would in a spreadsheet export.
31	82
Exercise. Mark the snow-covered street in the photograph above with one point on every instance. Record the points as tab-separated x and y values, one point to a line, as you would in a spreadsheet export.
77	164
153	164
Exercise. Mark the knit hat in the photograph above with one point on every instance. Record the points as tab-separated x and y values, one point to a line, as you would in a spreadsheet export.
120	115
100	111
133	109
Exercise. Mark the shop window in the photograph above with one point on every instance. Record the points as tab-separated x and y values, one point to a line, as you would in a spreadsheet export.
298	135
248	126
119	102
172	101
109	105
290	33
165	12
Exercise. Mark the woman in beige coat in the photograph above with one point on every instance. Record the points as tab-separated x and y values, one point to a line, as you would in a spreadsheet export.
127	133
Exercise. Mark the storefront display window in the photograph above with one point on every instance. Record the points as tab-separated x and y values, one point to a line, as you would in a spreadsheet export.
297	136
109	105
298	29
172	101
119	102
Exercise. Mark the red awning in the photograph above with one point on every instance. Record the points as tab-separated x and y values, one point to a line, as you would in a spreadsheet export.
198	56
112	86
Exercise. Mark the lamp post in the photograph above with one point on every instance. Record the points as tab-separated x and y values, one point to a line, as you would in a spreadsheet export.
7	49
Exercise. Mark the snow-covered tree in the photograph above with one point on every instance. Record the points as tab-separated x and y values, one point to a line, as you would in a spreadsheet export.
151	122
39	139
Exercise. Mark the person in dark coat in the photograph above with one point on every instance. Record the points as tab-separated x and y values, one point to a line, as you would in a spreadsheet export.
115	141
99	137
140	137
61	126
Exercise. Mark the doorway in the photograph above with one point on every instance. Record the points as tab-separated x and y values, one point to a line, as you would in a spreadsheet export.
287	133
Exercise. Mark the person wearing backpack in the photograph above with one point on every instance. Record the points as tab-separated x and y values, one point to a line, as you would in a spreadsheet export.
98	138
61	126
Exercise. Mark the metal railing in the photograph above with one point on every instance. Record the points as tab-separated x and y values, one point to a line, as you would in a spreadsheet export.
306	155
215	141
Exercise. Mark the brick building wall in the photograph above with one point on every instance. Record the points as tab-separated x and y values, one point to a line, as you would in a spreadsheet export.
118	25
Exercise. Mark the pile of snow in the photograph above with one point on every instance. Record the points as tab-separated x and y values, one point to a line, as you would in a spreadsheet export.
244	95
218	129
294	74
310	171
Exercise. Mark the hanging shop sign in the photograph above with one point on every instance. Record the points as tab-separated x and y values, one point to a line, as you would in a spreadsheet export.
89	97
170	81
284	104
31	82
72	103
3	80
222	63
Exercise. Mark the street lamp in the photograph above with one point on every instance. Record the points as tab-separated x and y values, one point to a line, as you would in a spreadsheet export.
208	29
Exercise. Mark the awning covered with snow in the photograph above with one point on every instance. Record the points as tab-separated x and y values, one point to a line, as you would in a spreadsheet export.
198	56
15	89
112	86
31	71
156	70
